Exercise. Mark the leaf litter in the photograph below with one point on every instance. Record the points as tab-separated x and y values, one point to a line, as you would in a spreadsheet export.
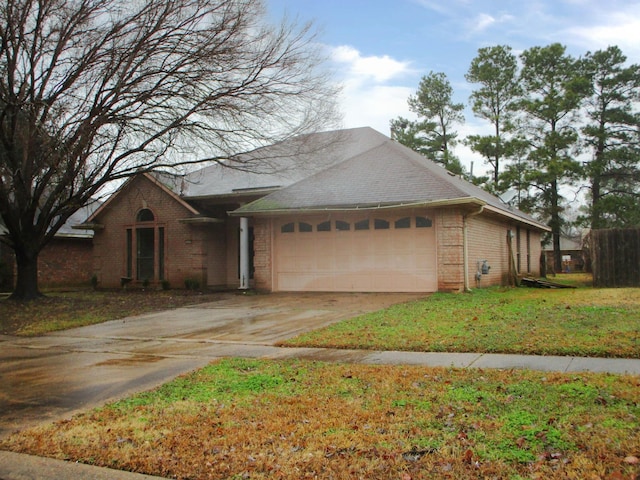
296	419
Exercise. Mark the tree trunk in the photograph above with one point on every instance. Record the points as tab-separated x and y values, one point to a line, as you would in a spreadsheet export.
555	226
27	279
595	200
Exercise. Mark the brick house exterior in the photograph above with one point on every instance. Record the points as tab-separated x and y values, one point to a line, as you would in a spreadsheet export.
66	260
357	212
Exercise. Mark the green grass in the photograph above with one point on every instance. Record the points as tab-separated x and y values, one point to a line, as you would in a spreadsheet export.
301	419
576	322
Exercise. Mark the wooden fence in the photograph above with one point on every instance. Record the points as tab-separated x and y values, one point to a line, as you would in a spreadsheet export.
615	257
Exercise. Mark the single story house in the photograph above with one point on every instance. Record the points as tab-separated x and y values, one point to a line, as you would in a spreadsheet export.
345	211
573	258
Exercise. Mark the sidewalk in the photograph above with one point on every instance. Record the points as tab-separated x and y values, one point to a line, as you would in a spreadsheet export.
15	466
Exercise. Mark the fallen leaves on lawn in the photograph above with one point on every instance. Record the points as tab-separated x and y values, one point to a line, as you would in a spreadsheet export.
328	421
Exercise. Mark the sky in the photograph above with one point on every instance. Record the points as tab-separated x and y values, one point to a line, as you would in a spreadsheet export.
380	49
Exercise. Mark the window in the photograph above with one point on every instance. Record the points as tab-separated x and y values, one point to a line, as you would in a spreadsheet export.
161	253
340	225
305	227
518	256
380	224
362	225
287	228
528	251
403	222
145	215
324	226
423	222
129	253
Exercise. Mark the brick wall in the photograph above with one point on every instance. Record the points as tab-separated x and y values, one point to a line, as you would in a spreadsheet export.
262	259
65	261
185	245
450	250
487	240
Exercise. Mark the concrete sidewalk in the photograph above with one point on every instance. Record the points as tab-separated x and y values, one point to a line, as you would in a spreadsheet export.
15	466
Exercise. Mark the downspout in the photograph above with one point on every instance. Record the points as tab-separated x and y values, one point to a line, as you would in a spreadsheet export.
465	248
244	253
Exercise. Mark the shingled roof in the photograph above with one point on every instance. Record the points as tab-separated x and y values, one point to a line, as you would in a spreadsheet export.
371	172
281	164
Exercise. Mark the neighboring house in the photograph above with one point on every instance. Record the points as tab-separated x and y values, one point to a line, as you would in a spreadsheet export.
573	259
348	210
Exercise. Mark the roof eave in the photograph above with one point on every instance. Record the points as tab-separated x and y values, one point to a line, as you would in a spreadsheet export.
201	220
508	214
88	226
240	194
360	207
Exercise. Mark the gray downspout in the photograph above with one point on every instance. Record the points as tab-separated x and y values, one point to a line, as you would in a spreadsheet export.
465	247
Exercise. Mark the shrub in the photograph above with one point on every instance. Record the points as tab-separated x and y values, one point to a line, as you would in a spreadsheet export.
191	284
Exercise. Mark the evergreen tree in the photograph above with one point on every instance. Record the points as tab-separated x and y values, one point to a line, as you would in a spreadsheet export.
554	86
613	136
495	69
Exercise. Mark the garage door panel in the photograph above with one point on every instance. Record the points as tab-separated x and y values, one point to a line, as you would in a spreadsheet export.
385	260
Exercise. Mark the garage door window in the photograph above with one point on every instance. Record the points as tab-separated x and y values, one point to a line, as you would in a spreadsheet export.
362	225
380	224
324	226
403	222
287	228
305	227
342	226
423	222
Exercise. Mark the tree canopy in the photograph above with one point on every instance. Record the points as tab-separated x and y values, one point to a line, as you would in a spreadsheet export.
93	91
432	135
611	138
495	69
555	122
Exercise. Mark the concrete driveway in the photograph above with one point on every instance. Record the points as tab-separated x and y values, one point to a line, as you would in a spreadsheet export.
57	375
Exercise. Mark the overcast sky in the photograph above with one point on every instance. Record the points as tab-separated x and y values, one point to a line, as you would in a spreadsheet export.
381	48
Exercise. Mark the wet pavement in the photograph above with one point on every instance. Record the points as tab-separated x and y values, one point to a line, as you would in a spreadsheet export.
54	376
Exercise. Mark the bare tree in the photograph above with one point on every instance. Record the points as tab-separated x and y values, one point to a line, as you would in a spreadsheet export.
93	91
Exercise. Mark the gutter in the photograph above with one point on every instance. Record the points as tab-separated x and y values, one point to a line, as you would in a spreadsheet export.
379	206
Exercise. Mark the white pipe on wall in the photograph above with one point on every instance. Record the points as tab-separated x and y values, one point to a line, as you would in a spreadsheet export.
244	253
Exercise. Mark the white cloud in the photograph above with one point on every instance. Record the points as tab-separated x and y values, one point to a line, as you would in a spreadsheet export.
375	106
378	68
482	22
618	28
375	89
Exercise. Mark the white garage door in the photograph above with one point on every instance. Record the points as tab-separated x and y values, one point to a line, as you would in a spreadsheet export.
391	254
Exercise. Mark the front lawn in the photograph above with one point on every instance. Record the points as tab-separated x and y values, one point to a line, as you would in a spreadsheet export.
238	419
577	322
